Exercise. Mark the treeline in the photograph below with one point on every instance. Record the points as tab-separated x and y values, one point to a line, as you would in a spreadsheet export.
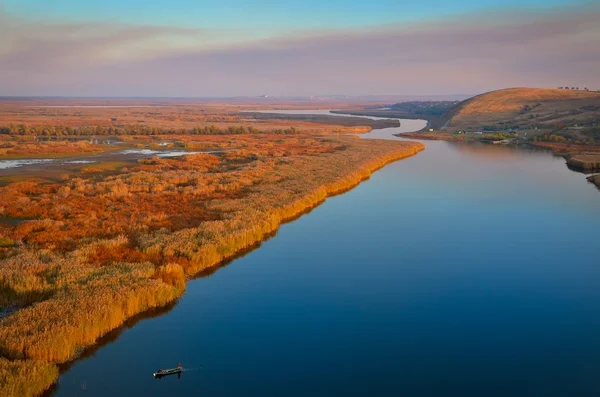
58	131
563	139
574	88
498	136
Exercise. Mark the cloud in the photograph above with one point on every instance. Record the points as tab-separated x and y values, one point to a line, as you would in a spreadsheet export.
472	53
44	46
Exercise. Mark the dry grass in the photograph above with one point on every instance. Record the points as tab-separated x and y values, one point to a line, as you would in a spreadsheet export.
90	304
586	162
20	378
565	148
20	148
526	106
167	115
511	100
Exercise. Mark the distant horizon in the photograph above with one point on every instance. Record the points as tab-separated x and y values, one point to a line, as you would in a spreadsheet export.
358	97
258	97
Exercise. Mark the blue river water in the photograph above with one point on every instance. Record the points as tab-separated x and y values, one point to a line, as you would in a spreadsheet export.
467	270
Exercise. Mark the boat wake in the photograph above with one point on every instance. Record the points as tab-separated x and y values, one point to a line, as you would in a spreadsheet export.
191	369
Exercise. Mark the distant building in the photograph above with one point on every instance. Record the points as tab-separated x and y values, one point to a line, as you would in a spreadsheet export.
478	132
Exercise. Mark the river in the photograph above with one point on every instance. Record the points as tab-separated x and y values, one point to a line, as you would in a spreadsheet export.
467	270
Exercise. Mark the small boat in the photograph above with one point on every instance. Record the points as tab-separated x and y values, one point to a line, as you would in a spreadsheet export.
166	372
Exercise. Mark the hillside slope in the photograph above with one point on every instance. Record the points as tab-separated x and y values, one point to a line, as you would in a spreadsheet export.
523	107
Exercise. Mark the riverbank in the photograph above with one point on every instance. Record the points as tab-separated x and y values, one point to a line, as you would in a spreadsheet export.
438	136
595	179
586	162
584	158
74	298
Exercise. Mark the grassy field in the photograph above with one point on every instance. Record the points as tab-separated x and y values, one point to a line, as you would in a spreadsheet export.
169	115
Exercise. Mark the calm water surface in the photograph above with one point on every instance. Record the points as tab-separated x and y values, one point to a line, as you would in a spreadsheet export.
462	271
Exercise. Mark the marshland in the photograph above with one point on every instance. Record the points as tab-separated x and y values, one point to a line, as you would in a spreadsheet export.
102	242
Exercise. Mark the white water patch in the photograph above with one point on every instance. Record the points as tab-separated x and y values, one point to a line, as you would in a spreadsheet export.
145	152
158	153
6	164
80	162
176	154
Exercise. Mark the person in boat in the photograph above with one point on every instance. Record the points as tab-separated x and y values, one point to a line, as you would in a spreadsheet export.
179	366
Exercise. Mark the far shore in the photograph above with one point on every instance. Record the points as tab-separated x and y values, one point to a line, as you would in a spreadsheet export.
327	119
584	158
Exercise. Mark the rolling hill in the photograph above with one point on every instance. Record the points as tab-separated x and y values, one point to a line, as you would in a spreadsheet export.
523	108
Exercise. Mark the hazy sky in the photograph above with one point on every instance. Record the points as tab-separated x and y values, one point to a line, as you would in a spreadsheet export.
294	47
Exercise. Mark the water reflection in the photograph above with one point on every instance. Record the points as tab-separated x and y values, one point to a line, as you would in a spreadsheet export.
110	338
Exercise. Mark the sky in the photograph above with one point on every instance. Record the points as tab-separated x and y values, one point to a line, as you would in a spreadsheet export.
201	48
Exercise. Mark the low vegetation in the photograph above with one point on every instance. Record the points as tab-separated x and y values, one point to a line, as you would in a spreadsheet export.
524	107
27	147
586	162
46	131
20	378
